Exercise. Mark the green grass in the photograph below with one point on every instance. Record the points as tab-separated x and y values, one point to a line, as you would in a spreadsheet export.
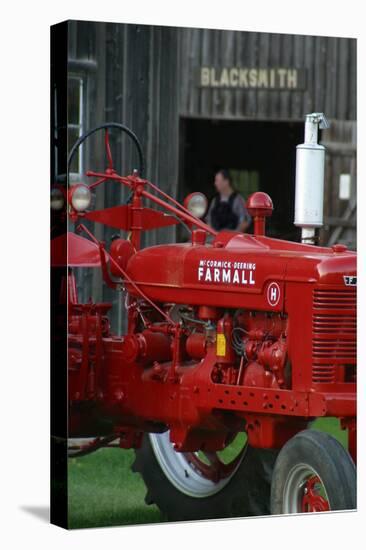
103	491
332	427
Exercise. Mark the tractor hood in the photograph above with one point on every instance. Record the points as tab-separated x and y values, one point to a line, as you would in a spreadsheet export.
236	270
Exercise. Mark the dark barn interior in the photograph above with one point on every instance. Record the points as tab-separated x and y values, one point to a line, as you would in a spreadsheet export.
260	156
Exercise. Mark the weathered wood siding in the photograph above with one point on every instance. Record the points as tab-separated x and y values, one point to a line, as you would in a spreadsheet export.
340	141
330	65
136	82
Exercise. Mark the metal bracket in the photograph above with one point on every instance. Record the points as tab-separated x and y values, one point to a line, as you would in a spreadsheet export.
320	119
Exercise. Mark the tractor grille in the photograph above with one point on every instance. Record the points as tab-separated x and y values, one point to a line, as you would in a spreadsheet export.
334	335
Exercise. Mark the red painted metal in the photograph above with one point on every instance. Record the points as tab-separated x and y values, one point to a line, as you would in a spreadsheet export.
121	251
259	206
216	469
108	150
123	217
312	501
246	333
137	185
196	345
74	251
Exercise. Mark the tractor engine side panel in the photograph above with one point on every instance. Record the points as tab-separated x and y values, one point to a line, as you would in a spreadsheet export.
201	275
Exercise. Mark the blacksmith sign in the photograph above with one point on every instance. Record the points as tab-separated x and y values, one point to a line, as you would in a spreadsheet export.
280	78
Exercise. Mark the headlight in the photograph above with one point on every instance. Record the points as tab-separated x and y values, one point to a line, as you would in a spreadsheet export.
57	199
196	204
80	197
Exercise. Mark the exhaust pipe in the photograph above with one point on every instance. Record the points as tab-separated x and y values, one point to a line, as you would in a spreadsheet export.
309	192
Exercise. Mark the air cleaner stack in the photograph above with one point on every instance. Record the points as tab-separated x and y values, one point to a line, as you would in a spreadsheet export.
310	157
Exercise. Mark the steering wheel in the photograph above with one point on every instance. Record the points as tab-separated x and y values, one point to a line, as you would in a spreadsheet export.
106	126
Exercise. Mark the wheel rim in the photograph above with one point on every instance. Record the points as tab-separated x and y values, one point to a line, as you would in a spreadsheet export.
304	491
190	473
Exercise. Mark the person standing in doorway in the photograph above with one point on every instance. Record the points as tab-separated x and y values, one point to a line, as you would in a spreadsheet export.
227	209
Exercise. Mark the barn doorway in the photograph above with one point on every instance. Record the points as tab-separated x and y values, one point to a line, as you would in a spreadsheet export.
259	154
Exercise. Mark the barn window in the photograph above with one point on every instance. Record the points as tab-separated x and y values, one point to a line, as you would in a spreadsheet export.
76	117
245	181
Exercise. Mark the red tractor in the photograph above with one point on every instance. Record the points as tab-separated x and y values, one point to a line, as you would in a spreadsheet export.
235	344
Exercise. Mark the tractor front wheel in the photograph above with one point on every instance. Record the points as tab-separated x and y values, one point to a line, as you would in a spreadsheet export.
313	473
202	485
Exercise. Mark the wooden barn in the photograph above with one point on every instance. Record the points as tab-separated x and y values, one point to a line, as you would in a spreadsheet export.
201	99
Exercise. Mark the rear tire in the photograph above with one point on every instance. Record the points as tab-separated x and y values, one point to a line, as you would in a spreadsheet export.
246	492
313	473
